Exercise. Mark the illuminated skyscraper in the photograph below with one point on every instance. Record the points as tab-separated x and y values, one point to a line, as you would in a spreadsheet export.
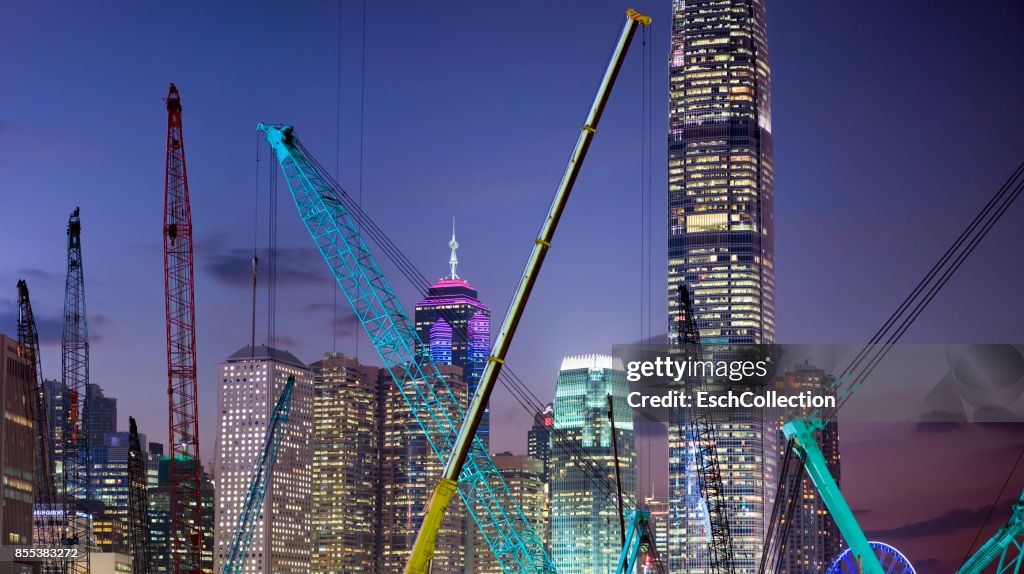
158	471
346	465
524	476
814	540
455	326
17	450
410	469
251	381
585	537
721	245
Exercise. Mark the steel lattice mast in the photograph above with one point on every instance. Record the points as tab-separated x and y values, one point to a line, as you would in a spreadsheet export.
75	377
138	502
179	291
28	347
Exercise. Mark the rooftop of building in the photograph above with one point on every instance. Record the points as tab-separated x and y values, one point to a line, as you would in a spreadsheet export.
265	353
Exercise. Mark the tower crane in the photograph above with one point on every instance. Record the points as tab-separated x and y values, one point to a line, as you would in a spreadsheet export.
138	502
179	294
701	432
331	219
28	347
241	538
75	376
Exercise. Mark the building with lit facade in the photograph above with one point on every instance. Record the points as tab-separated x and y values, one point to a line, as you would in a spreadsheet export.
410	470
455	327
721	246
585	536
249	386
346	465
524	476
538	438
814	540
158	471
17	448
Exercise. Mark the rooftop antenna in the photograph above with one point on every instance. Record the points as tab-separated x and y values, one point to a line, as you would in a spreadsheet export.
453	261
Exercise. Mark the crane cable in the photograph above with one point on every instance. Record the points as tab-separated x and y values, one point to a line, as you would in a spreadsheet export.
899	322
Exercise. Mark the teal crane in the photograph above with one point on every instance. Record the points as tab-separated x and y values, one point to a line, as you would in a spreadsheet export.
1008	542
241	539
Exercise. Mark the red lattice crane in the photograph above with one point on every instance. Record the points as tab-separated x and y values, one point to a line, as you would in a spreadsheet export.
179	291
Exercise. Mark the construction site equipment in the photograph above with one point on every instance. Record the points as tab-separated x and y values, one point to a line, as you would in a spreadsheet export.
185	532
241	538
75	376
138	502
701	434
639	541
423	551
1008	543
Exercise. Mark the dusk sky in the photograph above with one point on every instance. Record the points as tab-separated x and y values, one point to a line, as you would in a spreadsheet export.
893	123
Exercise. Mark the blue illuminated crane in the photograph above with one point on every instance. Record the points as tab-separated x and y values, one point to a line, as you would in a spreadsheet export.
238	549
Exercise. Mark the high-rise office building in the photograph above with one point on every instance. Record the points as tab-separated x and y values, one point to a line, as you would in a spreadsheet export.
814	540
524	476
721	246
56	409
538	447
100	415
538	438
17	448
410	470
455	326
108	486
585	536
346	465
158	471
250	384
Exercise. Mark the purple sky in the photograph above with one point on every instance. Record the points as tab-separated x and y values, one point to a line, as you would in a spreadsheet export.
893	123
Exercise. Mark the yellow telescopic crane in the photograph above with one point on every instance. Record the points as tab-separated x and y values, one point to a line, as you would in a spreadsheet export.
423	551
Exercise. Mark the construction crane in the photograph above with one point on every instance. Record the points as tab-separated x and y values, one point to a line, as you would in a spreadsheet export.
28	347
333	228
75	376
437	505
241	538
639	540
701	432
138	502
183	409
331	220
1008	543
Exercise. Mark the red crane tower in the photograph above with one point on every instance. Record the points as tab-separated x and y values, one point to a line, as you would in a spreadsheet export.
179	292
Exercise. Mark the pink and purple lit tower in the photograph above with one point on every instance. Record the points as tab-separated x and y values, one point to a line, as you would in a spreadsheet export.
455	327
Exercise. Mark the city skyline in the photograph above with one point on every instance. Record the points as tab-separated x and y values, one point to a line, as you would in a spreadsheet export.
925	179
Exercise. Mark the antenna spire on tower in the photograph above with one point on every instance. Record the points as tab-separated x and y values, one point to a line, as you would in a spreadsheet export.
453	261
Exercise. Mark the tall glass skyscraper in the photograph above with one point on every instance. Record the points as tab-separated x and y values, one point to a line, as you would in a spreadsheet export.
585	536
721	245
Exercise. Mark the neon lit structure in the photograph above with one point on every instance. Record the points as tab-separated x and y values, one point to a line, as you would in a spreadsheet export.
891	559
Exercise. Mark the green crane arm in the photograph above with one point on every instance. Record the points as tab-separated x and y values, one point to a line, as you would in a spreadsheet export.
801	432
238	549
1008	538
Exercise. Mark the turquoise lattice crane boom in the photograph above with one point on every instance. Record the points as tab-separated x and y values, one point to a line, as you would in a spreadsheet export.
333	228
241	539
